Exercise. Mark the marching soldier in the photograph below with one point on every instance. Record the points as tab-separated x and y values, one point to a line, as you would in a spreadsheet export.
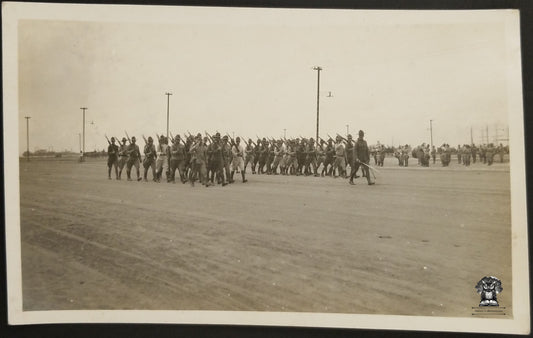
329	158
257	153
262	153
249	155
227	157
300	156
134	156
199	157
290	164
162	159
278	157
238	161
177	160
349	151
112	159
340	158
216	161
361	158
122	157
310	160
149	159
320	154
270	157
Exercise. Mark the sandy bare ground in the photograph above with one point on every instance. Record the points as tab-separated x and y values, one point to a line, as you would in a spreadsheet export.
416	243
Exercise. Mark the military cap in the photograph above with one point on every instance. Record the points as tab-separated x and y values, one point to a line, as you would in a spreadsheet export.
217	135
150	138
124	139
133	138
349	136
225	137
361	132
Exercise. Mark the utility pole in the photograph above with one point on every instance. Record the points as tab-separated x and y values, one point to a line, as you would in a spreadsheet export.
471	136
83	148
318	69
168	104
431	132
487	133
27	137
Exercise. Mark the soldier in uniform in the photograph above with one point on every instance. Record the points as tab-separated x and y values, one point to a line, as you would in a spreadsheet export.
122	157
257	153
112	159
238	159
320	155
340	158
278	156
349	151
227	157
290	157
216	162
301	156
177	160
270	157
134	156
310	160
405	155
489	153
361	157
263	155
199	156
149	159
249	155
283	157
445	155
329	158
483	153
162	159
467	154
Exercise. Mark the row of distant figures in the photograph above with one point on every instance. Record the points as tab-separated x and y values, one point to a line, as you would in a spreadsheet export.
445	159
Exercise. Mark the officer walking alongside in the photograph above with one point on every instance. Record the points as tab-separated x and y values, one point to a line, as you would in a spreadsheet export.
361	158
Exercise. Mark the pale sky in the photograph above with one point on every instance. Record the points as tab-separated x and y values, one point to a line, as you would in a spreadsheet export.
235	75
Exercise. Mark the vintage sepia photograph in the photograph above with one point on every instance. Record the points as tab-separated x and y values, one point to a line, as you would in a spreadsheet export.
265	166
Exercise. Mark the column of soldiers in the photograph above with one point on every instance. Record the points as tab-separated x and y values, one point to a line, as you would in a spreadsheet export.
212	160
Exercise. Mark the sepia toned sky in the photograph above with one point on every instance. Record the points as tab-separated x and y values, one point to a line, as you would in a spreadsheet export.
250	73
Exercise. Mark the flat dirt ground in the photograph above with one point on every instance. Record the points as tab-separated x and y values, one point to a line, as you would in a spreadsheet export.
416	243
